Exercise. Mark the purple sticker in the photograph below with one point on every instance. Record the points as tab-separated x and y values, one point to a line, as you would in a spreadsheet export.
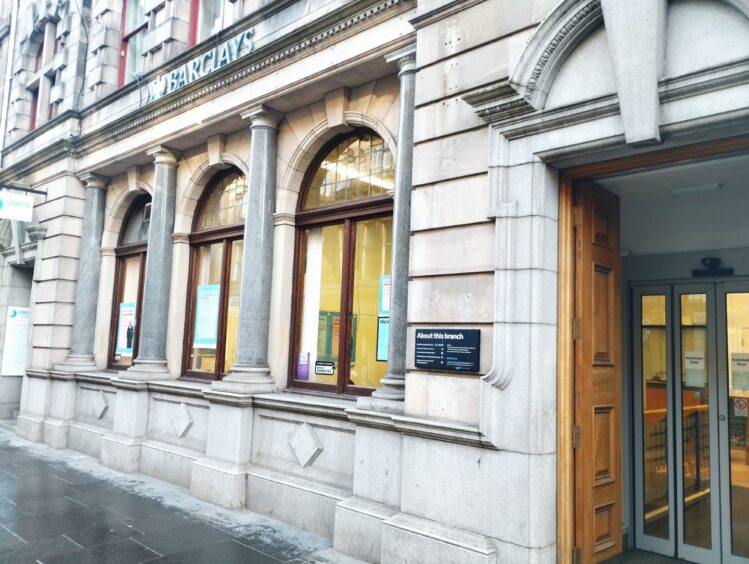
302	367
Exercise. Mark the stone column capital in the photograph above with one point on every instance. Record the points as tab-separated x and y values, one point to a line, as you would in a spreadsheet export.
405	58
262	116
36	232
183	238
92	180
161	154
107	251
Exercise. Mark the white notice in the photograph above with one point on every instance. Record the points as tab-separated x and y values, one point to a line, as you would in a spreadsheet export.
15	344
739	407
740	371
694	367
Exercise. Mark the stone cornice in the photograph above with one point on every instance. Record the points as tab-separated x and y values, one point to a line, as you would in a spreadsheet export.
327	30
450	9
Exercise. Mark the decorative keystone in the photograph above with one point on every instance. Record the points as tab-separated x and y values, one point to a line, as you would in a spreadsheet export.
100	405
182	420
306	445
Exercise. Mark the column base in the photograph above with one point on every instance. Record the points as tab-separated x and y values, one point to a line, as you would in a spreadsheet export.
120	452
30	427
219	482
358	528
246	380
406	538
142	370
56	432
77	363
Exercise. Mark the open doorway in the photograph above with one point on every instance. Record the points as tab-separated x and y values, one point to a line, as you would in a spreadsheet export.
660	356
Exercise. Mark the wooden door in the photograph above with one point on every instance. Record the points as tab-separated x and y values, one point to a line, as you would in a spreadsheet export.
597	433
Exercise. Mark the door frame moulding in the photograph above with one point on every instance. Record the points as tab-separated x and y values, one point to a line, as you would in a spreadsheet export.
565	520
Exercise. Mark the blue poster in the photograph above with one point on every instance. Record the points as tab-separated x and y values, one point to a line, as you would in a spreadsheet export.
383	336
206	316
126	329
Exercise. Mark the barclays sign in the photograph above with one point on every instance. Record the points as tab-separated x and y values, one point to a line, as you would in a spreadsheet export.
204	64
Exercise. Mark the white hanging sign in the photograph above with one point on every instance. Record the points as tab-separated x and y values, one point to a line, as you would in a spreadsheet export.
16	206
15	343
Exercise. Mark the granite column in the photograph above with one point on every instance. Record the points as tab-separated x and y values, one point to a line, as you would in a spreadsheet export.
251	373
392	391
81	356
151	361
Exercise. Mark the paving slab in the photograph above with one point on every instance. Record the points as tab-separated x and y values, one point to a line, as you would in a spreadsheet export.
60	507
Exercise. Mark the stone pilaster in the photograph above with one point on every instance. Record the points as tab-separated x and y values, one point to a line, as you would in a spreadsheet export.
391	393
251	373
151	361
81	356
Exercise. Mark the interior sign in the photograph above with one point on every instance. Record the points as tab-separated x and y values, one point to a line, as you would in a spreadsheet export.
16	206
204	64
455	350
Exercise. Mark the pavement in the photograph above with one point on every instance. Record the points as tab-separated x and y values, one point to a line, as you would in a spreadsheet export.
59	506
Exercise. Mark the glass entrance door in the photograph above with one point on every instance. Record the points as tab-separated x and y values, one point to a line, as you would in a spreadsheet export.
691	367
733	363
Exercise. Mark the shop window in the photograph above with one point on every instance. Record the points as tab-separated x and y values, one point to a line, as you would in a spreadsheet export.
128	293
343	261
208	17
134	26
215	278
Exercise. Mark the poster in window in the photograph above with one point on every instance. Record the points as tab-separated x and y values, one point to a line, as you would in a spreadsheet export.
206	316
694	368
383	336
386	283
126	329
16	339
740	371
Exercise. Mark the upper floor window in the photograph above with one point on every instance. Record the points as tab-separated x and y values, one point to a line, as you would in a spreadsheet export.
343	266
216	275
134	26
208	17
39	58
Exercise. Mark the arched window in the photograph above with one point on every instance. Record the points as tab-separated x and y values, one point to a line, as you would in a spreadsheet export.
215	277
343	261
128	292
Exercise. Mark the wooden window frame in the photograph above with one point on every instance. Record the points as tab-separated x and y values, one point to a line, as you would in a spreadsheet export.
125	37
123	252
348	214
226	235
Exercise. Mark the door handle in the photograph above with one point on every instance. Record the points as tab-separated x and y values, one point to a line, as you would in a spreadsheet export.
722	417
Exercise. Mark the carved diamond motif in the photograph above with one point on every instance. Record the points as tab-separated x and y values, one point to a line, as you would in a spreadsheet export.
100	405
182	421
305	445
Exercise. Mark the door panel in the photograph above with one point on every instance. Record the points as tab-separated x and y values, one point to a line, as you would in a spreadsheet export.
697	503
598	520
654	423
733	365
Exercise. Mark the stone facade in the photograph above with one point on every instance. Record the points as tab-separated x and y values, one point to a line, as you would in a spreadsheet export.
482	102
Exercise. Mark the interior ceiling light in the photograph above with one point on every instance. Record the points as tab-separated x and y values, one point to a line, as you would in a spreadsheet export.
698	189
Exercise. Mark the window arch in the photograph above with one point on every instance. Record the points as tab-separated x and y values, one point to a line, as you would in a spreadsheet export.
129	273
215	277
343	265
